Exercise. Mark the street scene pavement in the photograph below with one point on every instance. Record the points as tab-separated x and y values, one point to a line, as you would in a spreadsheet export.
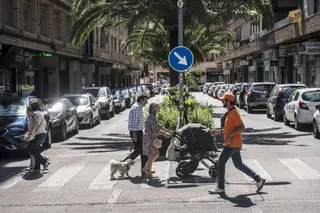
78	179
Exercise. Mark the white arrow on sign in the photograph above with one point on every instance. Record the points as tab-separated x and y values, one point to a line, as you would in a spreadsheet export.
183	60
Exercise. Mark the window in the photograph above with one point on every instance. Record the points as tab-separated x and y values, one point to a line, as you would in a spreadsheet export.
316	6
43	18
102	93
312	96
120	47
296	97
67	27
263	87
238	34
115	44
27	15
56	25
8	12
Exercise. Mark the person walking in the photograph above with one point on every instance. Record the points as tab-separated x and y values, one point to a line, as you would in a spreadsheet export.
152	130
233	128
38	130
136	126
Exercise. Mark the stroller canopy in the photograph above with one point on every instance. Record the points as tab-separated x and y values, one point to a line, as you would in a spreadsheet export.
197	137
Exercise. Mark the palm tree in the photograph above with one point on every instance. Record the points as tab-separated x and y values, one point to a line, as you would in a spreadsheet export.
110	13
151	42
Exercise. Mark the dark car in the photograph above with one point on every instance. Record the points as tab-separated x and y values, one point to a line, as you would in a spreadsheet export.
14	121
64	117
241	92
257	96
278	97
119	101
104	97
128	97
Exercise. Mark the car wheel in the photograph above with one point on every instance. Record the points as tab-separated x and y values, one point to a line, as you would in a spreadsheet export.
91	121
285	120
63	133
315	130
112	112
48	141
76	130
268	114
297	125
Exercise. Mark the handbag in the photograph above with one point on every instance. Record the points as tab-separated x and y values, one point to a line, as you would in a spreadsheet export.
157	143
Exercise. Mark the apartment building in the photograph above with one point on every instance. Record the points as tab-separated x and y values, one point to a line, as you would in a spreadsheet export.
287	53
34	51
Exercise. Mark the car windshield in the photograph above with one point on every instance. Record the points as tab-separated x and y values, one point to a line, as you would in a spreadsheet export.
312	96
125	92
263	87
94	92
116	94
78	100
14	109
55	107
287	91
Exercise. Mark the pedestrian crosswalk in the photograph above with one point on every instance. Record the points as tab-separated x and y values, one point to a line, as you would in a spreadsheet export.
99	179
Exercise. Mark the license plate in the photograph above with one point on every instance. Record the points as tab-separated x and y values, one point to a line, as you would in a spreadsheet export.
263	96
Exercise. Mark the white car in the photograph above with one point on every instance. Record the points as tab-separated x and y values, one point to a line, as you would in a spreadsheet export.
88	109
301	107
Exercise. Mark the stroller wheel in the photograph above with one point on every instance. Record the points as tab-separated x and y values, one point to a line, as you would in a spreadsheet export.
182	170
213	171
193	165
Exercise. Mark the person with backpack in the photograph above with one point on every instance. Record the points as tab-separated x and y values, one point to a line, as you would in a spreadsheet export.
233	128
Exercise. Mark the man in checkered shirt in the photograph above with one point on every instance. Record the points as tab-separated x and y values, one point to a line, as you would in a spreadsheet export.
136	126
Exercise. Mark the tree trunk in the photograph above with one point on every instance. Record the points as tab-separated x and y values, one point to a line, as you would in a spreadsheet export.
174	75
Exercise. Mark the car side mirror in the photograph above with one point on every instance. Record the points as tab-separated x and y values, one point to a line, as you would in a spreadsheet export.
318	107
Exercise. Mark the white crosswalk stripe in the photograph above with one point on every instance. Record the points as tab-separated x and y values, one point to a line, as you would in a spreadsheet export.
257	168
300	169
102	181
60	178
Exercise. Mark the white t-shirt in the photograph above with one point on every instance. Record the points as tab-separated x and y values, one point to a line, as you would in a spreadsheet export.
42	126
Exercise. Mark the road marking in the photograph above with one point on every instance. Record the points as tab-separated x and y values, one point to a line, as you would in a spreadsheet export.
257	168
161	171
300	169
114	196
60	178
13	179
88	154
102	181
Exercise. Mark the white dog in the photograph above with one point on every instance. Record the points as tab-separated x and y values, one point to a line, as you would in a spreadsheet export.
122	167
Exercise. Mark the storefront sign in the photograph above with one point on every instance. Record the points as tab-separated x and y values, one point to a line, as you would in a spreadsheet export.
292	49
309	48
295	16
282	51
244	63
274	63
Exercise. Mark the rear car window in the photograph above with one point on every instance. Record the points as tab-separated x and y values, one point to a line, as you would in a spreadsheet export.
312	96
287	91
263	87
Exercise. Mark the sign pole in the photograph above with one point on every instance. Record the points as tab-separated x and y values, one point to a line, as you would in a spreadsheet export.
180	43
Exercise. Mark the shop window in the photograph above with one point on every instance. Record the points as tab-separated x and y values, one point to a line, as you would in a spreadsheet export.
43	20
316	6
56	25
8	12
238	34
67	27
27	20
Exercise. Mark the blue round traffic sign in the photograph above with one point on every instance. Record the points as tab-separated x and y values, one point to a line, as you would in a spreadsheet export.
180	59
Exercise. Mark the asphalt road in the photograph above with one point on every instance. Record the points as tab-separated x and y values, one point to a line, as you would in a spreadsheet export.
78	178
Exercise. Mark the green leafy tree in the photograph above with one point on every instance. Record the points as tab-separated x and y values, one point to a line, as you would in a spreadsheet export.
110	13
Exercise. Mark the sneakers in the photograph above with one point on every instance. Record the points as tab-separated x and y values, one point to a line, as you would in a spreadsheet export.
260	184
217	190
46	165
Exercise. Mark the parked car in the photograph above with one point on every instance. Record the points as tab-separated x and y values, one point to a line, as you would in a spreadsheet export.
64	117
316	123
129	99
278	97
14	121
104	97
206	87
119	101
88	109
257	96
149	89
301	106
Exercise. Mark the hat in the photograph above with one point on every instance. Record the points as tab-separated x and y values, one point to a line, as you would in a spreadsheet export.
228	96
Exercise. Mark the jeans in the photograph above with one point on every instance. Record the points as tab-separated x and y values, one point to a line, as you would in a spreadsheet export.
233	153
138	149
34	150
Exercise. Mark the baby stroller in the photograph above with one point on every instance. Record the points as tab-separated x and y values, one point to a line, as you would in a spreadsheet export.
191	144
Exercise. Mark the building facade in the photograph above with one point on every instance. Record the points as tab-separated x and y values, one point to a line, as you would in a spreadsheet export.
35	53
288	53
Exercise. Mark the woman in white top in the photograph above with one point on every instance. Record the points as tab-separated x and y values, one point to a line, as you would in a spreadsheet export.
38	129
